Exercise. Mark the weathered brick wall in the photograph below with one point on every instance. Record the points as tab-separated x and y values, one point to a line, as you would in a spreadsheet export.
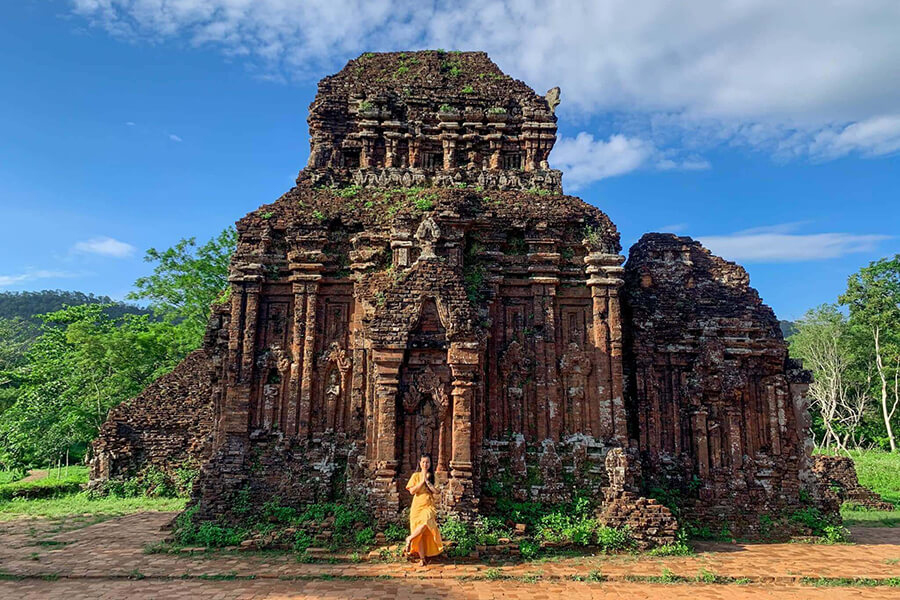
838	480
168	426
430	119
388	329
718	408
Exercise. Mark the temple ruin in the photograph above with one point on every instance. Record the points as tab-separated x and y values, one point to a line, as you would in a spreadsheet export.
427	287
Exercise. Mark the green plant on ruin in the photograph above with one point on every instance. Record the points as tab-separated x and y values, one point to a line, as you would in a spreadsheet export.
593	235
425	203
473	280
462	536
364	537
206	533
240	502
679	547
446	109
539	192
318	215
366	106
468	89
453	67
348	192
516	246
496	110
267	215
394	532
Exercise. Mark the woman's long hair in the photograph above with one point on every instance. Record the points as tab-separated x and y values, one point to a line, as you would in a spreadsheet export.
430	475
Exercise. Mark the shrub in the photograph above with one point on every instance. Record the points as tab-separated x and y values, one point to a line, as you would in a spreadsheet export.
208	533
365	537
529	549
274	512
463	538
184	480
394	532
302	541
612	539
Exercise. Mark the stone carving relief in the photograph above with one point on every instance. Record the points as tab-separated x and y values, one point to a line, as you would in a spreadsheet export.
427	409
575	366
335	364
515	366
427	235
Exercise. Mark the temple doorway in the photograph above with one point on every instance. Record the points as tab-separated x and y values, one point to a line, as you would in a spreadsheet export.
424	418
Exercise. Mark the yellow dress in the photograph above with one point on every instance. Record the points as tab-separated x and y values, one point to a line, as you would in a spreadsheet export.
422	512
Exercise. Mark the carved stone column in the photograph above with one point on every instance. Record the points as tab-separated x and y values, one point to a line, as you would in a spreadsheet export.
459	496
385	492
605	278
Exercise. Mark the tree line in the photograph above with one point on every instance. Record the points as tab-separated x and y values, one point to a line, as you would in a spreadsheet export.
852	347
63	369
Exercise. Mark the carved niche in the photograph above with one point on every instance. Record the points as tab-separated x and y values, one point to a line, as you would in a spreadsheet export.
575	366
332	403
426	404
274	365
515	365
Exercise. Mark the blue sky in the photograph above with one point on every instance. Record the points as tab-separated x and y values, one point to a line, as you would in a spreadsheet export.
772	135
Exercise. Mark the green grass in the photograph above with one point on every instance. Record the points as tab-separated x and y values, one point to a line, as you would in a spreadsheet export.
880	472
56	483
10	476
869	518
81	504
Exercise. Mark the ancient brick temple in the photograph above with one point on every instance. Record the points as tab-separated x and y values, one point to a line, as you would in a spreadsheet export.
427	287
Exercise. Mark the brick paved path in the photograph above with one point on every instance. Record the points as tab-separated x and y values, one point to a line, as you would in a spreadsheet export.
416	590
107	560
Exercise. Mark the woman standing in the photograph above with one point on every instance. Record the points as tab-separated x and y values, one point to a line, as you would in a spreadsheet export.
424	537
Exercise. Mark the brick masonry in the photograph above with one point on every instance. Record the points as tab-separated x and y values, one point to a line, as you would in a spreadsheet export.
837	476
427	288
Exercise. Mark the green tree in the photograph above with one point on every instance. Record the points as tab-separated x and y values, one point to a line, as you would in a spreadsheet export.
186	281
83	364
873	297
839	398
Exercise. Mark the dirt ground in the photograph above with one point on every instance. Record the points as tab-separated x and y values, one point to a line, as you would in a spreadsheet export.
52	559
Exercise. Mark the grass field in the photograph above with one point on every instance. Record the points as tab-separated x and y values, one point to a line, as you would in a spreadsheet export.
10	476
880	472
59	495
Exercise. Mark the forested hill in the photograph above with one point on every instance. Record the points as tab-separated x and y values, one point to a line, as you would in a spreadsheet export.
27	305
788	328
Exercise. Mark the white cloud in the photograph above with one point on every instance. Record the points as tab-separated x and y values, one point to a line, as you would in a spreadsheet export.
790	78
873	137
130	123
175	138
7	280
584	159
778	244
105	246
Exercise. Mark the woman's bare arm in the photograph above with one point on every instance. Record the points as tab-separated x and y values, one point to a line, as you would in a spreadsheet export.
418	487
